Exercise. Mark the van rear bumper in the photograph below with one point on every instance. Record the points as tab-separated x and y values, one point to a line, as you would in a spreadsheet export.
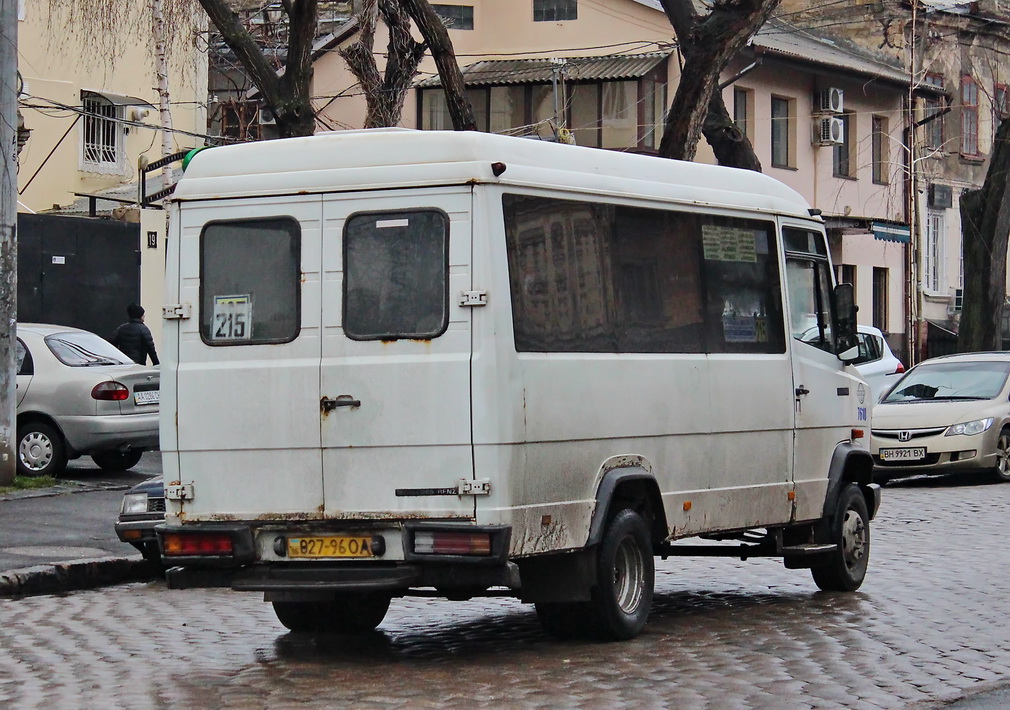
398	578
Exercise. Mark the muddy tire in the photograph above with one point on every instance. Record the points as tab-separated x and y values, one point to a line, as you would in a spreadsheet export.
626	577
844	569
349	613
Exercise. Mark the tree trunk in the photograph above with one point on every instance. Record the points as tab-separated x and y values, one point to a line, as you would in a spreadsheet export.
287	96
707	46
384	96
437	38
985	229
164	102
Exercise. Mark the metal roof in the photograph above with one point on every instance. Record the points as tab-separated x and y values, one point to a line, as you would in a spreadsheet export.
499	72
790	42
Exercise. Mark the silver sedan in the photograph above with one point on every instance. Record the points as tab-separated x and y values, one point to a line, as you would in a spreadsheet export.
78	395
946	415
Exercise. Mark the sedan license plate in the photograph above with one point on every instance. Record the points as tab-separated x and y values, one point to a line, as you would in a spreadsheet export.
914	453
330	546
149	397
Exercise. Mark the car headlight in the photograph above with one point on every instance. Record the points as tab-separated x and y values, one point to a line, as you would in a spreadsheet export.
134	503
970	428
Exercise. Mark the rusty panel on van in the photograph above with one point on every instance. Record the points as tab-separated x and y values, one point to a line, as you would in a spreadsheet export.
248	379
396	344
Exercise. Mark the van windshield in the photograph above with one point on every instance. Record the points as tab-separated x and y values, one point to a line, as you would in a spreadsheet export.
951	380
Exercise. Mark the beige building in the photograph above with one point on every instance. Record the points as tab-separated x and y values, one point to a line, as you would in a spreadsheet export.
89	101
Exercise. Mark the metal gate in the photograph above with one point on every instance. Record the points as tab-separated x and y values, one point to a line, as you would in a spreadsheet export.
77	271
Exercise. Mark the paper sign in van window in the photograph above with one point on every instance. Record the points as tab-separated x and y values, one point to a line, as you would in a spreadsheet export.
232	319
386	223
728	243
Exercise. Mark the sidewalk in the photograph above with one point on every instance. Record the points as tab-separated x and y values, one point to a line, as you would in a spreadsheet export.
59	539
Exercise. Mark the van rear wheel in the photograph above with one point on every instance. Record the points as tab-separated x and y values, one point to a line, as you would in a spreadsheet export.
626	577
844	569
348	613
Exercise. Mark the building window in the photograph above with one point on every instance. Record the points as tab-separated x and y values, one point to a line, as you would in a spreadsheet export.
848	275
1000	105
969	116
555	10
742	110
842	162
933	128
240	120
932	252
879	148
782	155
457	17
880	298
608	114
102	147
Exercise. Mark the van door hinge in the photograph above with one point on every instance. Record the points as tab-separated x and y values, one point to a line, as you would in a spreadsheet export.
479	487
472	299
179	491
176	311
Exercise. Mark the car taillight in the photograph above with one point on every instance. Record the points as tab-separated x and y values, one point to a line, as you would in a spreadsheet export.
111	391
899	370
196	544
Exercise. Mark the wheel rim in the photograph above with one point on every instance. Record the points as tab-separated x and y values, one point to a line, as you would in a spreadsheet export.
36	451
1003	455
629	575
853	539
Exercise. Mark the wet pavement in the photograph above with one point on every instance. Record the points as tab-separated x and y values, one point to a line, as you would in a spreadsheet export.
928	625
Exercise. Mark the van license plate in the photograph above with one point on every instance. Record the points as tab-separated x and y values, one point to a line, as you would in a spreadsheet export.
330	546
149	397
913	454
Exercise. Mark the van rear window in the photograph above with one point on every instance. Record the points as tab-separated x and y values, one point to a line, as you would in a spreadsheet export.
396	267
250	278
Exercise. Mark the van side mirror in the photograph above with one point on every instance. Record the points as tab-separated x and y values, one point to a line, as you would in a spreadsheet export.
846	340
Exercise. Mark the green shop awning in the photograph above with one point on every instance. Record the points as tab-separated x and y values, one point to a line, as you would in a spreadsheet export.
891	232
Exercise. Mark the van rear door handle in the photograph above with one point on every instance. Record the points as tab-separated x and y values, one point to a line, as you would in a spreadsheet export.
801	390
345	400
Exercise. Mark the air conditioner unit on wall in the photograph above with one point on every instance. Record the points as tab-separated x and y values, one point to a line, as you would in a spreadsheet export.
265	118
829	131
829	100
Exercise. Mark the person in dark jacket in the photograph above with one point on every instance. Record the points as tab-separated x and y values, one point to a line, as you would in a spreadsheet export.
134	338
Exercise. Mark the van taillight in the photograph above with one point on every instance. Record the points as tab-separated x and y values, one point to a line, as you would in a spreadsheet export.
112	391
197	544
899	370
452	543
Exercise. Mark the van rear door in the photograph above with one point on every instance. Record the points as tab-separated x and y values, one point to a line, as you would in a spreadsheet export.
395	376
248	374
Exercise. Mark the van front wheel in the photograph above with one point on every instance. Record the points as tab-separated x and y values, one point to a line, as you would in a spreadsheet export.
626	576
844	569
349	613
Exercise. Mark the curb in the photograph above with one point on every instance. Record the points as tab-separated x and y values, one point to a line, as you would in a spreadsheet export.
80	574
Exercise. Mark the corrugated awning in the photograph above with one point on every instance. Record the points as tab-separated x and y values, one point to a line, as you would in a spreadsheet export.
892	232
500	72
117	99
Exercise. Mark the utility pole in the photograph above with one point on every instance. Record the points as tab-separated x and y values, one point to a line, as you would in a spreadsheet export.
8	236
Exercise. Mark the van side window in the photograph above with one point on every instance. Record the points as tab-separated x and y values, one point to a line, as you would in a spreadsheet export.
808	278
396	267
250	278
593	277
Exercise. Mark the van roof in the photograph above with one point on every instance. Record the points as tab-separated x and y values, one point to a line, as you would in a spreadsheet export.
397	157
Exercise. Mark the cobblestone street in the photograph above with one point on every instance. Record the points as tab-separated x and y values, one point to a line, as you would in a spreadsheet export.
929	623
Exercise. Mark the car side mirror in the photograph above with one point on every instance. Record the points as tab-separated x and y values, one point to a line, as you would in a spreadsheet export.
846	339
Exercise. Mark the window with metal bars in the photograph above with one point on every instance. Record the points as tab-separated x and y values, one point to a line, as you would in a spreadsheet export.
555	10
102	145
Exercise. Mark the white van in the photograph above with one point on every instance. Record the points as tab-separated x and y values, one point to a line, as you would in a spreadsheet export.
419	362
